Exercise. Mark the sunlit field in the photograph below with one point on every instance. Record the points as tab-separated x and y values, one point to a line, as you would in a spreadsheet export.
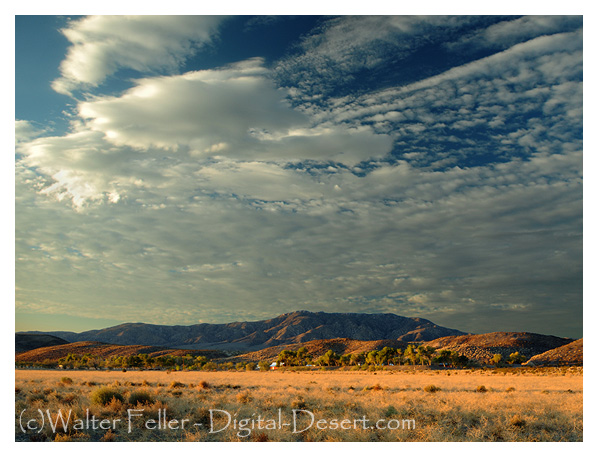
403	405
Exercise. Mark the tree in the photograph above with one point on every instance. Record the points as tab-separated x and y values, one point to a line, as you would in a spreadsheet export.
425	354
263	365
410	354
496	360
345	360
371	358
516	357
287	358
330	358
443	357
357	359
302	357
459	360
385	355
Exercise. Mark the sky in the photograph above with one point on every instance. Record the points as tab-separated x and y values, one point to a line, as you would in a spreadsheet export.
188	169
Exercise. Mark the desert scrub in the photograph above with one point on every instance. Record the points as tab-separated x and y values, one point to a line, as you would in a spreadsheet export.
66	380
244	397
105	395
517	421
142	397
176	384
481	389
204	385
431	388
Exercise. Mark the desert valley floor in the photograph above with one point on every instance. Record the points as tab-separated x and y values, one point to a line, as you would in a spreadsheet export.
534	404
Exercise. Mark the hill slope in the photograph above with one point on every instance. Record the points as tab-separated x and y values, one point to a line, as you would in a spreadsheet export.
297	327
569	354
482	347
104	350
316	348
28	341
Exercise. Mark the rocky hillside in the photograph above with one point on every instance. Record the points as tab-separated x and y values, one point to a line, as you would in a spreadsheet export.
567	355
482	347
317	348
28	341
297	327
104	350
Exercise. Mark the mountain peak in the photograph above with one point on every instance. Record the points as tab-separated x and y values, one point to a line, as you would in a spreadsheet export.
295	327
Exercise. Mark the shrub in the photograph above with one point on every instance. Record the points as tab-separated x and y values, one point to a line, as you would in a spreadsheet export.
204	385
391	411
105	395
141	397
481	389
66	380
261	437
244	397
176	384
432	388
510	389
36	396
69	399
298	403
517	421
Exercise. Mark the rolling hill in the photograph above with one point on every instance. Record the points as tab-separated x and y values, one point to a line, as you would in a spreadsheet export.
482	347
291	328
566	355
28	341
105	350
316	348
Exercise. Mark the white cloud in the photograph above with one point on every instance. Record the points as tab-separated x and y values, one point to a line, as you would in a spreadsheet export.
26	131
100	45
234	112
206	195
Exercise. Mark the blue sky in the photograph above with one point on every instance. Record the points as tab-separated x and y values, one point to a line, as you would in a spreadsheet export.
213	169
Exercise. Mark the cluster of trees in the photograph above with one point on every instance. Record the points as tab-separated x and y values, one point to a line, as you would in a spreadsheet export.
411	355
145	361
514	358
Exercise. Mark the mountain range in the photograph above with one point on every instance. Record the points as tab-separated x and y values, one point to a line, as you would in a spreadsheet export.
290	328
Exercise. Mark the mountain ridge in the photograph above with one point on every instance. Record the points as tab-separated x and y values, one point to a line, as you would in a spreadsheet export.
289	328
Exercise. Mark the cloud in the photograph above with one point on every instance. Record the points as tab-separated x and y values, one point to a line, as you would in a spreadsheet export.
516	30
26	131
101	45
234	112
213	195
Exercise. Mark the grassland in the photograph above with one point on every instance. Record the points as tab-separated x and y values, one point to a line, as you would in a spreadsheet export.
401	405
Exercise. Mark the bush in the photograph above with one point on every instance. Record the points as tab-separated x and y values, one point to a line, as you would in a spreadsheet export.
66	380
176	384
391	411
517	421
244	397
141	397
481	389
204	385
432	388
104	395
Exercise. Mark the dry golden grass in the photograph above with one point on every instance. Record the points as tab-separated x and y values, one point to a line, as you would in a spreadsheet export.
540	405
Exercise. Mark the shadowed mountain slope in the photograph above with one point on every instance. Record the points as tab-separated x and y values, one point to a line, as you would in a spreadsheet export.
28	341
482	347
297	327
566	355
